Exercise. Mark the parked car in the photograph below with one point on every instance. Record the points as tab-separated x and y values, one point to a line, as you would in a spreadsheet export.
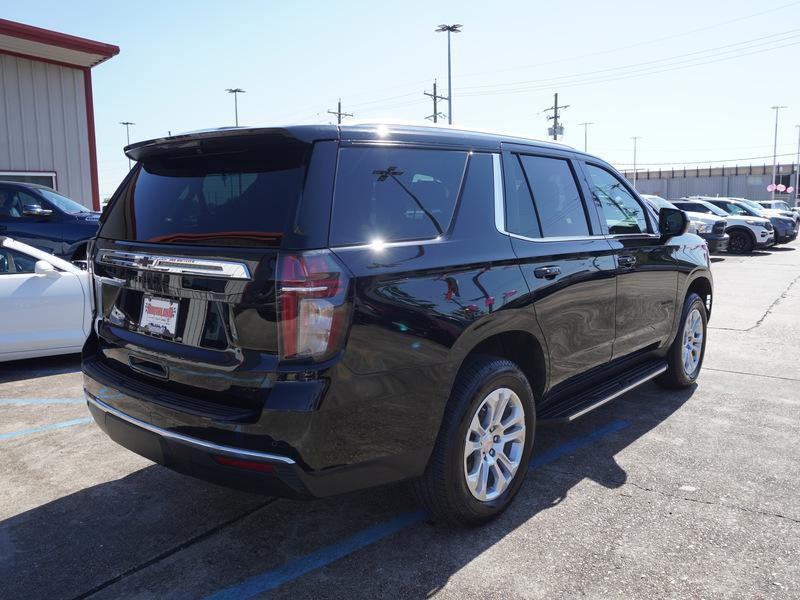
781	208
44	303
785	230
709	227
311	310
746	233
43	218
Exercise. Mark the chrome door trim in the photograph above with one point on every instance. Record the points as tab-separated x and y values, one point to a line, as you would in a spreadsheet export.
176	265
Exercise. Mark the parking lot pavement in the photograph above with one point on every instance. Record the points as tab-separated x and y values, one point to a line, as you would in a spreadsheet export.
658	494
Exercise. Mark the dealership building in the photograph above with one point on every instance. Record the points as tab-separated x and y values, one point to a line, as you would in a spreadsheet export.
748	181
46	111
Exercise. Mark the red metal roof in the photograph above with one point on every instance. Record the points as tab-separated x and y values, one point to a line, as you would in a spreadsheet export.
51	46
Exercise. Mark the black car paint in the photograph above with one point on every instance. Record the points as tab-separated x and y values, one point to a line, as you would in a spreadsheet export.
62	234
371	414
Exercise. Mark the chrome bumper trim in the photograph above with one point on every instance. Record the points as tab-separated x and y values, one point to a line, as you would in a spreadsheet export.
185	439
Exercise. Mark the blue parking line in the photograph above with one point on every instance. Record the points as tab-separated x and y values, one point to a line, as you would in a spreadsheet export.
51	427
24	401
290	571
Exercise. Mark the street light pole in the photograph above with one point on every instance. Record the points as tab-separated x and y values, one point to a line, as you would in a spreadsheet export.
635	139
128	136
797	169
449	29
585	135
775	149
236	92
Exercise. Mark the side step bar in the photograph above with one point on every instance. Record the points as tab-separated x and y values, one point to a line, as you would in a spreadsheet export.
572	407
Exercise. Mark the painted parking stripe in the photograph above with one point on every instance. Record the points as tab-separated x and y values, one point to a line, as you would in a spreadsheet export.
51	427
290	571
26	401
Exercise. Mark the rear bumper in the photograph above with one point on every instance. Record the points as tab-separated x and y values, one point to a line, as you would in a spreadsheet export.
278	475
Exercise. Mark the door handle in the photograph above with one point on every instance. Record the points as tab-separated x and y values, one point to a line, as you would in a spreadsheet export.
547	272
626	261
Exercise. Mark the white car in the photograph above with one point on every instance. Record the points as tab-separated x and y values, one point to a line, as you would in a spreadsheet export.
45	303
746	233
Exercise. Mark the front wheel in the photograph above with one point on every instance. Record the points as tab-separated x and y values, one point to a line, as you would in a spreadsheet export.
685	357
481	456
740	243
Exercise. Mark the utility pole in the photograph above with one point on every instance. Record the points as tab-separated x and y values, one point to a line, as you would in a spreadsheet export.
797	169
128	136
235	92
586	135
436	114
555	108
339	114
775	150
635	139
449	29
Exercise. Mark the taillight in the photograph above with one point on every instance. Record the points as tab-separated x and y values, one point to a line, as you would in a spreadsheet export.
313	305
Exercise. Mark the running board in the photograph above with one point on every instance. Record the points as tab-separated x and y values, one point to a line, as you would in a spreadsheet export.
572	407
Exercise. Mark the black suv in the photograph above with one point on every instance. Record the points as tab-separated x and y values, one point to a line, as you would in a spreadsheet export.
310	310
43	218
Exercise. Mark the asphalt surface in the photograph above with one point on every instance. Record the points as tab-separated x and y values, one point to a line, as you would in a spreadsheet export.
657	494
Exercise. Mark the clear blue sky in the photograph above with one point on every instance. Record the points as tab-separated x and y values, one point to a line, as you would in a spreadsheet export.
295	59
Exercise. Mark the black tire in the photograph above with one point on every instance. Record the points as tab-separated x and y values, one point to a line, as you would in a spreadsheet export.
443	488
676	376
741	242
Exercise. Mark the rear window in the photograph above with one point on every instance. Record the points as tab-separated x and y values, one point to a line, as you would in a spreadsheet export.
233	198
394	194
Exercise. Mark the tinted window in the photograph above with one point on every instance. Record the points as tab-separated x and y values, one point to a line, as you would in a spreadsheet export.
622	212
520	214
231	198
394	194
13	202
555	195
12	262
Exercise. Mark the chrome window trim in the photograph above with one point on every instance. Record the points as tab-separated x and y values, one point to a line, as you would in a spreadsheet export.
500	213
185	439
177	265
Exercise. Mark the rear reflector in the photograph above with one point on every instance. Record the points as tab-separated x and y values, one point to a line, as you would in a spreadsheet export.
243	464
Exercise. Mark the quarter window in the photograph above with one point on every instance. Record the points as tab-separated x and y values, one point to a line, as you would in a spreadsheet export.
556	197
623	214
394	194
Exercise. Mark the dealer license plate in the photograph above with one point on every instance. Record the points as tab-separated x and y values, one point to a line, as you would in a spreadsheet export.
159	315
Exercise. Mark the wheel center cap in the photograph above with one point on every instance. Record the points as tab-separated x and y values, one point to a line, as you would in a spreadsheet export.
486	444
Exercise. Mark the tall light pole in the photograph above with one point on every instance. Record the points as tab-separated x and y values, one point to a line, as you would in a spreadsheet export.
449	29
236	92
775	149
797	169
585	135
635	139
128	135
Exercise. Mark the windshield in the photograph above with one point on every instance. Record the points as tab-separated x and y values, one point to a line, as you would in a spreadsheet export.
757	209
63	203
781	206
714	209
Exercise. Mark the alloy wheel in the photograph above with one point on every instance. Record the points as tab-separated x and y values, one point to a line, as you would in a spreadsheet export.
494	444
692	342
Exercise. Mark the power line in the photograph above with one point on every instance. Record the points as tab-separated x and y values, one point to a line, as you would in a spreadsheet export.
624	76
735	48
702	162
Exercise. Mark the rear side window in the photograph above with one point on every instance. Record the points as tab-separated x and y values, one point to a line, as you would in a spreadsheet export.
556	197
244	197
520	215
394	194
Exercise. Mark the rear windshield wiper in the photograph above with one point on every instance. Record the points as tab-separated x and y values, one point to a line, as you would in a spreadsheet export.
392	172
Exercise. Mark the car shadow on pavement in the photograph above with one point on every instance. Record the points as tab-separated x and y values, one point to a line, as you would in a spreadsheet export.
155	533
31	368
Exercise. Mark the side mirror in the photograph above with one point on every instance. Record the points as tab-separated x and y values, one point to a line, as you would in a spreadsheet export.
672	222
36	210
42	267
